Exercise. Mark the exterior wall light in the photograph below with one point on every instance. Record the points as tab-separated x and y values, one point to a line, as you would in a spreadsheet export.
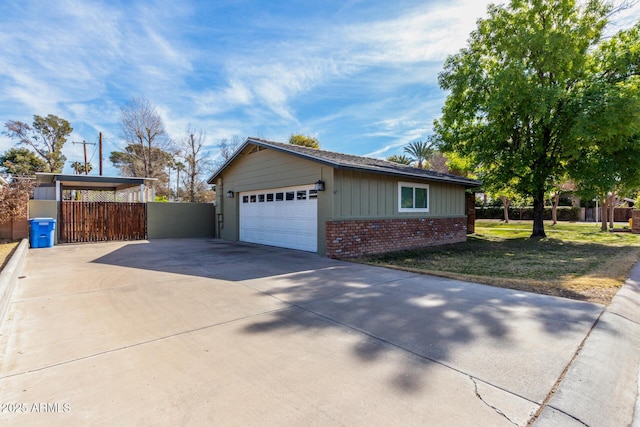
229	194
319	185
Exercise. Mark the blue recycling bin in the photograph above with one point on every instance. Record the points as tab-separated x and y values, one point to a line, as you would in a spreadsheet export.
41	232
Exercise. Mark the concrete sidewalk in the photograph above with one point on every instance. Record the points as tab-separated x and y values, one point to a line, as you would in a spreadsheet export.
601	385
202	332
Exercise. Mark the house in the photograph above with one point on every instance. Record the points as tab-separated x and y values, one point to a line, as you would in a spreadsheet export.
335	204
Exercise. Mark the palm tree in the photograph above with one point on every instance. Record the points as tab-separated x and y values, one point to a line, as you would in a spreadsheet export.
420	151
79	168
402	159
179	166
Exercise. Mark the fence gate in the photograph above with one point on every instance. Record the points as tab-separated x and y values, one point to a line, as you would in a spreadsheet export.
102	221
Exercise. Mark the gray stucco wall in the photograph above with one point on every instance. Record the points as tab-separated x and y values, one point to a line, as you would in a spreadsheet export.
180	220
43	209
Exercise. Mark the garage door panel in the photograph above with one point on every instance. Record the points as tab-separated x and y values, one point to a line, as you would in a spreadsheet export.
285	217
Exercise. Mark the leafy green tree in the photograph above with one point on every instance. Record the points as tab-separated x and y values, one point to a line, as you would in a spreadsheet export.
608	160
512	92
421	152
304	141
46	137
21	161
131	162
402	159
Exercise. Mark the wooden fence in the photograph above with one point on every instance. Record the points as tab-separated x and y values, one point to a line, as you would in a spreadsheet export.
102	221
619	214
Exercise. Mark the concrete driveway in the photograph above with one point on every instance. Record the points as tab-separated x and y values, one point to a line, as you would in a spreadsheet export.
205	332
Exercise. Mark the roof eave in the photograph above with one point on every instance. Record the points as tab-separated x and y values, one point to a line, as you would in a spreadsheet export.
468	183
214	176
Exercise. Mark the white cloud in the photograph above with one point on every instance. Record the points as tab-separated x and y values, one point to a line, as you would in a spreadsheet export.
274	74
423	34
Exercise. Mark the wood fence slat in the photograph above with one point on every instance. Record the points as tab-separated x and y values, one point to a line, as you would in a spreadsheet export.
102	221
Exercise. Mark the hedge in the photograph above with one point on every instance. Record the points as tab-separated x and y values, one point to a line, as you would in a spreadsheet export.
565	213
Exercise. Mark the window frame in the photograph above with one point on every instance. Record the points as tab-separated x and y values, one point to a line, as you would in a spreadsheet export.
413	186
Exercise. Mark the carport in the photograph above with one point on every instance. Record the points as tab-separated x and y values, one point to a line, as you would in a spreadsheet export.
94	208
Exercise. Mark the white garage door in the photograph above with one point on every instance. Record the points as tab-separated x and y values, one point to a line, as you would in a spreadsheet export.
284	217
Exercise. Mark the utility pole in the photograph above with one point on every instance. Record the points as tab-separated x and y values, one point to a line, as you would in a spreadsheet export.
84	143
100	141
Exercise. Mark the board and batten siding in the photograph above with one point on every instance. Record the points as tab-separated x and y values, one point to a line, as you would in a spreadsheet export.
263	169
267	168
365	195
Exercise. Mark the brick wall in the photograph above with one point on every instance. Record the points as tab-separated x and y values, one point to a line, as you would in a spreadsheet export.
635	221
471	213
364	237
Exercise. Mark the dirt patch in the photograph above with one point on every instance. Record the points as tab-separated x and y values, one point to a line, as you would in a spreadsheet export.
6	250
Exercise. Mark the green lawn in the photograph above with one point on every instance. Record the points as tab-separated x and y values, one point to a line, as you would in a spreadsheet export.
576	260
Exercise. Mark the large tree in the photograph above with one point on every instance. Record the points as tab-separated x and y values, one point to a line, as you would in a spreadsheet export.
196	164
608	160
147	150
512	105
228	147
46	136
131	162
143	132
21	161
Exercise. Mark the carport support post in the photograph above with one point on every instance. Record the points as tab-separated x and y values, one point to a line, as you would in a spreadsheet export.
58	191
142	191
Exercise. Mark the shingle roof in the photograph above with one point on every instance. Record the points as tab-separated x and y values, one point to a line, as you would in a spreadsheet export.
351	162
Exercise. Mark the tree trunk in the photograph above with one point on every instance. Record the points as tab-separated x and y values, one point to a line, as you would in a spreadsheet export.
538	220
554	208
612	206
192	186
178	185
604	213
505	204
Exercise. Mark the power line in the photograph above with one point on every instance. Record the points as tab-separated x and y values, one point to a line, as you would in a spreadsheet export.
84	143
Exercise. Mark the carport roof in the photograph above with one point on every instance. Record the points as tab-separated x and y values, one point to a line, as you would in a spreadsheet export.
349	162
92	181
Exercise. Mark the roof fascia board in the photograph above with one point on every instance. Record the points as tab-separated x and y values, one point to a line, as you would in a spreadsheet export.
235	154
464	182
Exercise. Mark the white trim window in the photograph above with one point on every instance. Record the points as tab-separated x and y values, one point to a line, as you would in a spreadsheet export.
413	197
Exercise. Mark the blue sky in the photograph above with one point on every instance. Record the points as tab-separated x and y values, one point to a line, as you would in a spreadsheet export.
361	76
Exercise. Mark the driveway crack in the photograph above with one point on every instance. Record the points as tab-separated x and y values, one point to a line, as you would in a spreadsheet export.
497	410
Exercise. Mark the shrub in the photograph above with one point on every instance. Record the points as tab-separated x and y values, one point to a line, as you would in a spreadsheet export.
14	199
565	213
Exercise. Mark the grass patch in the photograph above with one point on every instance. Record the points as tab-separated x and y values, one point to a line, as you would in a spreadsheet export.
576	260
